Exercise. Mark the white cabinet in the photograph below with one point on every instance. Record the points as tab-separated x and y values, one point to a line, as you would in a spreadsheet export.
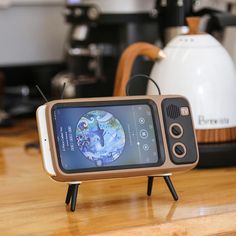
31	32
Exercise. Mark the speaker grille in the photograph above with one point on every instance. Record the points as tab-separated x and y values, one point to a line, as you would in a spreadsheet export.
173	111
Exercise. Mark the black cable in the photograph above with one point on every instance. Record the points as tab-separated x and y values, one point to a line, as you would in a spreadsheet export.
139	76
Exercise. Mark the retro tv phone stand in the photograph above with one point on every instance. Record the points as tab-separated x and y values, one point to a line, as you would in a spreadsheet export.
72	191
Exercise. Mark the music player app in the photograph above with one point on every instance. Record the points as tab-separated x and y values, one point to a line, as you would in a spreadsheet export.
105	136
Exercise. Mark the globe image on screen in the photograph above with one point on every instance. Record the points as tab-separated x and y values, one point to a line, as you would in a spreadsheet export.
100	137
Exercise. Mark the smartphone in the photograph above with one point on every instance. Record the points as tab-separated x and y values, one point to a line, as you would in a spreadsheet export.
97	138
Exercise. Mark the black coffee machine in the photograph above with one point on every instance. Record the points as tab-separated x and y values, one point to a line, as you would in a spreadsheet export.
172	17
100	31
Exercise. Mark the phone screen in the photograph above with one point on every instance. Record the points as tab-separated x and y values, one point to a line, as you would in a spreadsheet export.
93	138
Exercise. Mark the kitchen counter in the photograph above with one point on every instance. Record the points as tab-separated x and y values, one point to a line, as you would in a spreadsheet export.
33	204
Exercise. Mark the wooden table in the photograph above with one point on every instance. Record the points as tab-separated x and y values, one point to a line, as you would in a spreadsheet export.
32	204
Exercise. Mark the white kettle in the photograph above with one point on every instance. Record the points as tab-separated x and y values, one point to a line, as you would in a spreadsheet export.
195	66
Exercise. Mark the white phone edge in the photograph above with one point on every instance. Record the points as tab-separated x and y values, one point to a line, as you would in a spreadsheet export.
45	148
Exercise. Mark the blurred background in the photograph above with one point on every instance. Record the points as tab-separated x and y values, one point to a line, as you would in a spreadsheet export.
49	42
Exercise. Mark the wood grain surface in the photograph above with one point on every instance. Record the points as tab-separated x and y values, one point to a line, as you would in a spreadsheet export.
216	135
32	204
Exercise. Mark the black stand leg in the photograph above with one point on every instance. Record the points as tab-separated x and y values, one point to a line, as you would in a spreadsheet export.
71	196
74	197
149	187
168	183
171	187
69	193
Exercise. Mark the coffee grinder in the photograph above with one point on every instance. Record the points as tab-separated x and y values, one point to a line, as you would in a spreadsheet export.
100	30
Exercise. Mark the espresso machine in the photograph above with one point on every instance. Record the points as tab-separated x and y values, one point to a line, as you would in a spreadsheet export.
99	31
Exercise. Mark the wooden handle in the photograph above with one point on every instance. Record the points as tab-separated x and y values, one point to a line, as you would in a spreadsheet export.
127	60
193	25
